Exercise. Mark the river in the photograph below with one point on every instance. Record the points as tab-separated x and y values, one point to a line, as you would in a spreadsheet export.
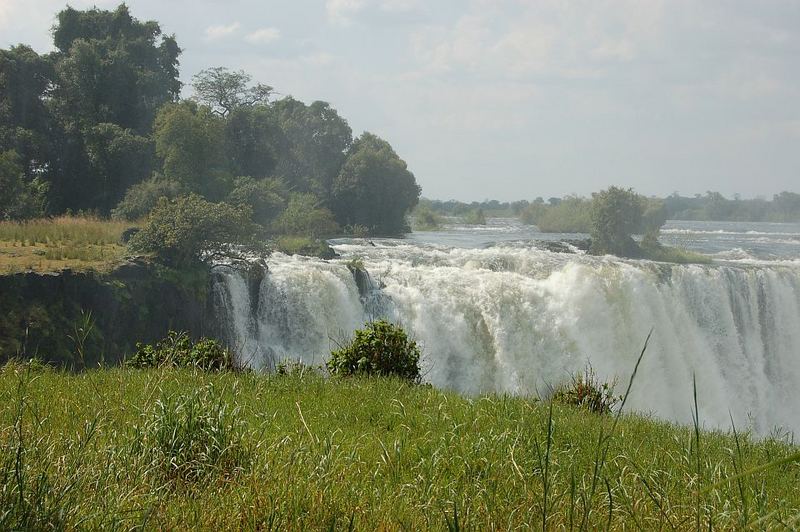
495	311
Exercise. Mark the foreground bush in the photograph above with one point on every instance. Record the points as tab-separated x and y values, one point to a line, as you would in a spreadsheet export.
379	349
587	391
178	350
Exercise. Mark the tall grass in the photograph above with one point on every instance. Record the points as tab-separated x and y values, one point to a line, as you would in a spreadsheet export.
64	229
369	454
55	243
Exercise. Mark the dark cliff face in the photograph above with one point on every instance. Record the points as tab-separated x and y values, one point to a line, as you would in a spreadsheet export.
78	319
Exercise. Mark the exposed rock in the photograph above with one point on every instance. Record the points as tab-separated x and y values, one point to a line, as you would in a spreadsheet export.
564	246
362	279
136	302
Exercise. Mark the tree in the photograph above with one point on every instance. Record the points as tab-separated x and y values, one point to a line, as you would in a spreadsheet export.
616	214
787	206
190	230
253	141
304	216
189	141
223	90
142	197
374	188
265	197
316	141
20	198
118	159
25	121
110	67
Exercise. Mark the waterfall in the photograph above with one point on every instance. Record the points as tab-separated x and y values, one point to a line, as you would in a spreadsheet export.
516	319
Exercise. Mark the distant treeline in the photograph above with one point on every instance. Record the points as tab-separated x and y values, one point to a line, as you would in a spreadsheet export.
98	125
571	213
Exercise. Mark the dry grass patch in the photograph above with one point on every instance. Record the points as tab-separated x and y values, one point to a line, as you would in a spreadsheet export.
53	244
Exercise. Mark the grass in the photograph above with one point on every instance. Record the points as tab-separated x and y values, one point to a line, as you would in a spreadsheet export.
183	449
46	245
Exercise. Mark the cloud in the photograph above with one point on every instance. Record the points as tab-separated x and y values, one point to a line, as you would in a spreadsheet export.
547	38
344	12
263	36
341	11
5	13
219	32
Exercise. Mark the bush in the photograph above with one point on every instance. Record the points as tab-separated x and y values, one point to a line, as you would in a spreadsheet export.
190	437
142	198
570	215
190	230
475	217
586	391
379	349
616	215
305	217
265	197
424	218
303	245
178	350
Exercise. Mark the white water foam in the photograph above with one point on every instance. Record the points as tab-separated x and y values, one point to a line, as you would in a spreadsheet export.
516	319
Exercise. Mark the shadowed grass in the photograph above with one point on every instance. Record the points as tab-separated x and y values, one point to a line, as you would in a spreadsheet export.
378	454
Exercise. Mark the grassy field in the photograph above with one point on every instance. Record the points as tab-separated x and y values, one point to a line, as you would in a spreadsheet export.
45	245
182	449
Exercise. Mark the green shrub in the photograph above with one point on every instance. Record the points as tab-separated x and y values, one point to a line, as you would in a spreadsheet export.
265	197
475	217
178	350
570	215
381	348
616	214
585	390
303	245
142	197
305	217
192	436
357	231
190	230
424	218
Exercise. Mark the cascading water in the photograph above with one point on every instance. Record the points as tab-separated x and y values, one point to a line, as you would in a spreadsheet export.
517	319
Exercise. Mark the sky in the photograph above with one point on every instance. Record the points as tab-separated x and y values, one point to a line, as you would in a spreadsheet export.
514	99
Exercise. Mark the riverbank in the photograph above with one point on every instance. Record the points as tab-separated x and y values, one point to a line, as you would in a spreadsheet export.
171	449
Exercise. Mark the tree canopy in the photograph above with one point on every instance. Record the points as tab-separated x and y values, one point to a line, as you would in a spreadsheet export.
223	90
191	229
374	188
98	125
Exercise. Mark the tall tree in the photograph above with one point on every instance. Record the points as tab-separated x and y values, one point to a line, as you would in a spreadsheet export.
111	67
253	141
224	90
25	121
317	140
374	188
189	141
